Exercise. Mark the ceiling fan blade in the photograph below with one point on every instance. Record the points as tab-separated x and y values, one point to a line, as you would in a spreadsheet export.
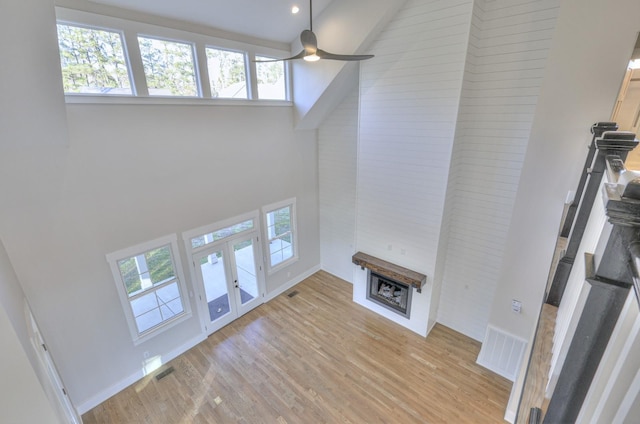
349	57
300	55
309	41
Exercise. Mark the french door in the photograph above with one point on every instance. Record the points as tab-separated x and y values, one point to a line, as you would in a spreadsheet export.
231	279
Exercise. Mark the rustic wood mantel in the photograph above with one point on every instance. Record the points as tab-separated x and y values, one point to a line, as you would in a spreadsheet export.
393	271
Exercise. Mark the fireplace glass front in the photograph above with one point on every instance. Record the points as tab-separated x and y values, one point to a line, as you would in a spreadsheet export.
389	293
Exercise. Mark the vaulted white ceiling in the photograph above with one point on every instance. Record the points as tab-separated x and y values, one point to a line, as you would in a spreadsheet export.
264	19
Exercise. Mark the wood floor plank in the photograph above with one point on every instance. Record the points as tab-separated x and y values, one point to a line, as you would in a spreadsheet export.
317	357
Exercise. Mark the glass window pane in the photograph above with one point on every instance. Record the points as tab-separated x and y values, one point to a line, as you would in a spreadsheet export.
130	275
92	61
144	304
148	320
168	67
171	309
160	265
226	74
168	293
271	80
222	233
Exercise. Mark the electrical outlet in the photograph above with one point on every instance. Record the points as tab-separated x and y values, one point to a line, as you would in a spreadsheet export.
516	306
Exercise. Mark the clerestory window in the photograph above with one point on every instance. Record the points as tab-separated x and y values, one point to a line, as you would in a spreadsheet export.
93	61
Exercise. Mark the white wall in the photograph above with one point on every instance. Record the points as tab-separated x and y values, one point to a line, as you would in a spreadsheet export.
409	103
508	47
582	77
343	27
337	167
131	174
125	174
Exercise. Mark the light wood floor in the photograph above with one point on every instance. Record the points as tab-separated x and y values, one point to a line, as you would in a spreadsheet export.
317	358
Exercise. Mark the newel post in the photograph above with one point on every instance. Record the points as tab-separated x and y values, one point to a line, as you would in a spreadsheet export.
618	143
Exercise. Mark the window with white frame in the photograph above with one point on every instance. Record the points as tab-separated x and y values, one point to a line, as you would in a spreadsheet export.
92	61
280	229
271	79
104	55
168	67
151	286
227	73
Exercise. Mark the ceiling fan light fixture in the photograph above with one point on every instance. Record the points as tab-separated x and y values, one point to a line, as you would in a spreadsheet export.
310	51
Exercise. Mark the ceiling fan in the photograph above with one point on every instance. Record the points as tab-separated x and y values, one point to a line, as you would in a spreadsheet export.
312	53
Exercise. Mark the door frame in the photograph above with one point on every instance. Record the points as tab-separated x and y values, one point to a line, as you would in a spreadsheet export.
197	284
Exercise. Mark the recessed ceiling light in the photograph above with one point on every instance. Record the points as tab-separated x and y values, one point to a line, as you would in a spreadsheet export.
295	9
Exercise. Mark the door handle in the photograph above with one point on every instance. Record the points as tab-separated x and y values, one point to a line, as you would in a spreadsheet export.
236	283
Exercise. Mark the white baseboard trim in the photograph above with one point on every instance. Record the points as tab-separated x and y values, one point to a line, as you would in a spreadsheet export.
510	416
289	284
105	394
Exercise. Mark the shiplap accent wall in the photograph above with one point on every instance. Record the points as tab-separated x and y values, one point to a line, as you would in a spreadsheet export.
337	147
409	97
508	46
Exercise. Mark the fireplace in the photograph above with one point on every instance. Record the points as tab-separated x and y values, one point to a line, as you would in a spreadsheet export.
389	293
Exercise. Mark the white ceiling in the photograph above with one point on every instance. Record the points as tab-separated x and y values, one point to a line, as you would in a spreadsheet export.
264	19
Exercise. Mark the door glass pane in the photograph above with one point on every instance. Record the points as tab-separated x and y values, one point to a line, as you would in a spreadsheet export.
215	284
246	270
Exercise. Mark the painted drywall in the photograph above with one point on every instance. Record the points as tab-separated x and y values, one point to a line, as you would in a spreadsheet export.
344	27
582	77
31	77
408	107
508	46
337	168
81	180
131	174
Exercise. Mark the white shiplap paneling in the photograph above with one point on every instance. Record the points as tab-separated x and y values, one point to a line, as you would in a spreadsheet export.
337	146
409	98
508	46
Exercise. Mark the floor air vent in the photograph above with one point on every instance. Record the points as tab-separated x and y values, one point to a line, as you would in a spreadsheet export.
293	293
164	373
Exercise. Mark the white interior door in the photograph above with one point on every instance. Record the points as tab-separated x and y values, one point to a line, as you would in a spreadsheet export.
231	279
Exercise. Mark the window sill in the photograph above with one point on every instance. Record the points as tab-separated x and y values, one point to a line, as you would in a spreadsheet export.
160	328
282	265
160	100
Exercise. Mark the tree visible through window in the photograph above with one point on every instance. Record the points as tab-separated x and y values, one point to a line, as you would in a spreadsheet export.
168	67
92	61
227	73
271	79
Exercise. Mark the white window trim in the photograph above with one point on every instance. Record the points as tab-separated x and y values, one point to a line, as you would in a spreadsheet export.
113	258
294	234
210	228
129	31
